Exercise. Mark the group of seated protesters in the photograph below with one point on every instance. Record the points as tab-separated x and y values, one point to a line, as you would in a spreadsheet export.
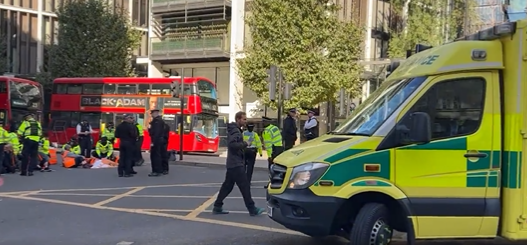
10	162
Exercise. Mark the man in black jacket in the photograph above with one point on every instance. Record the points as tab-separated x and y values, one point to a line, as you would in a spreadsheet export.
236	168
289	131
126	132
157	142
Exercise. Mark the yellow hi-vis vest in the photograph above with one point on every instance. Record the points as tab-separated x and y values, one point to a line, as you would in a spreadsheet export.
256	143
271	136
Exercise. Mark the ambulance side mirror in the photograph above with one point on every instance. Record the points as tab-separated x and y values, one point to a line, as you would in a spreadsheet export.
420	128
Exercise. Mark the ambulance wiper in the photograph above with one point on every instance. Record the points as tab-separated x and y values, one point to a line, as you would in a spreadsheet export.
342	133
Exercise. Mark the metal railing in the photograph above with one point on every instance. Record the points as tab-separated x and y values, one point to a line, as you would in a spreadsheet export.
212	45
162	3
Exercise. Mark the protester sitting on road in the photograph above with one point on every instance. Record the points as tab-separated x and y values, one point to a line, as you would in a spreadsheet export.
43	155
103	149
78	160
72	146
9	163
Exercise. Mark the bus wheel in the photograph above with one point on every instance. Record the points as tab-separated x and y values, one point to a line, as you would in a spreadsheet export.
371	226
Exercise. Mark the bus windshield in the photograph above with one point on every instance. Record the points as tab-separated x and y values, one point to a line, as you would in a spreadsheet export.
370	115
206	125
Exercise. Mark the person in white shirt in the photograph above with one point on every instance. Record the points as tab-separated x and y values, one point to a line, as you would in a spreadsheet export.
311	126
84	132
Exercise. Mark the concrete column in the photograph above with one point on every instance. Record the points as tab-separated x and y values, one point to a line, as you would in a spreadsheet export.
236	47
40	39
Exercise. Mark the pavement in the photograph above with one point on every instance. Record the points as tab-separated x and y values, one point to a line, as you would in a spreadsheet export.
94	206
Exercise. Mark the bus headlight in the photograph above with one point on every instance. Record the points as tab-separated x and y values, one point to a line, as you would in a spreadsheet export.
306	174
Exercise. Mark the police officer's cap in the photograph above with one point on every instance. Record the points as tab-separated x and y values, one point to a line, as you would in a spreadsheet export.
29	114
250	124
154	110
293	110
266	119
104	138
310	111
128	116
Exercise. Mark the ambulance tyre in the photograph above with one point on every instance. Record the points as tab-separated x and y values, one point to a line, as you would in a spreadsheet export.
371	226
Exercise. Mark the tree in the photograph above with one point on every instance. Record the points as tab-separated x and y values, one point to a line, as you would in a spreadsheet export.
316	51
3	54
93	40
429	22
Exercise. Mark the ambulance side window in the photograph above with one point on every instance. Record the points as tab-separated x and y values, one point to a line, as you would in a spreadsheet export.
455	107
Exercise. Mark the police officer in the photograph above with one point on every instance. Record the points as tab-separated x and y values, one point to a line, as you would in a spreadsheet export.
289	130
272	140
156	131
311	126
30	131
138	160
84	131
250	152
103	149
127	134
109	132
164	150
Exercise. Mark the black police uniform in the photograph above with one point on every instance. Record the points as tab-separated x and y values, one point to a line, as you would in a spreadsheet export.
156	131
85	140
164	150
289	131
127	134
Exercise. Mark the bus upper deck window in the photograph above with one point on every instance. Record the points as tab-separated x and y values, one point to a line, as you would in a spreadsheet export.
160	89
126	89
109	88
92	88
75	89
143	89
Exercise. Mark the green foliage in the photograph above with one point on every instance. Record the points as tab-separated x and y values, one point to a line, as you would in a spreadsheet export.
317	53
3	54
93	40
429	22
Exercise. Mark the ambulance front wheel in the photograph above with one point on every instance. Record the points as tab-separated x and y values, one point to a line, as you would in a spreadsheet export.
371	226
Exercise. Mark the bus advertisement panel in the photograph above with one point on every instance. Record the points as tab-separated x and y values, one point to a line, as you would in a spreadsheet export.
18	97
103	100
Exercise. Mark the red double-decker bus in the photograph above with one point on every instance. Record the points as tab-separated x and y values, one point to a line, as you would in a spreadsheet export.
18	97
103	100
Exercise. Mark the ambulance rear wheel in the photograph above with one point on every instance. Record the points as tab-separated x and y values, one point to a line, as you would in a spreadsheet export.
371	226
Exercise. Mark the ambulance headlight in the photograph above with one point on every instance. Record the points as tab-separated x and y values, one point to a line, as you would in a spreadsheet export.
306	174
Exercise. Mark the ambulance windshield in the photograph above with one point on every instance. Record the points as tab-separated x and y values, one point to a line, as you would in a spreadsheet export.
370	115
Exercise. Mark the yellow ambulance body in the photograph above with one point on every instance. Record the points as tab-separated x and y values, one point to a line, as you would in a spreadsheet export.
436	151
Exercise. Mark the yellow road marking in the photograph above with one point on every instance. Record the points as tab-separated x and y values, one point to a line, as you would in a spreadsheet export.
29	193
112	195
174	216
190	210
203	206
208	185
117	197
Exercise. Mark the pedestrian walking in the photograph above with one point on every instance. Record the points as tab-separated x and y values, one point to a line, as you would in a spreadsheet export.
236	168
289	130
311	126
250	153
84	131
157	138
126	132
30	131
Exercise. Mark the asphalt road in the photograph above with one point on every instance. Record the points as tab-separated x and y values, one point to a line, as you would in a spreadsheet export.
92	207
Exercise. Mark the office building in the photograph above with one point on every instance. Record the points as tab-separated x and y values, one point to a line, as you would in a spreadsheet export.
29	25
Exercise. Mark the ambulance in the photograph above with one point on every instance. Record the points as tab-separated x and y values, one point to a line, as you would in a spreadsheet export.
436	152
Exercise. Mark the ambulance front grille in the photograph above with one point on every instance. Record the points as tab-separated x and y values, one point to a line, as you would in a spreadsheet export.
277	176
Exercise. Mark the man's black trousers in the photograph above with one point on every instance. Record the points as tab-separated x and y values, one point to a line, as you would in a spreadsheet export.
156	158
126	157
29	156
236	176
250	160
164	157
138	156
85	144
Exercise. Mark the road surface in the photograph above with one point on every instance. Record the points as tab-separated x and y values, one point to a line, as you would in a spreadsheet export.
94	206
